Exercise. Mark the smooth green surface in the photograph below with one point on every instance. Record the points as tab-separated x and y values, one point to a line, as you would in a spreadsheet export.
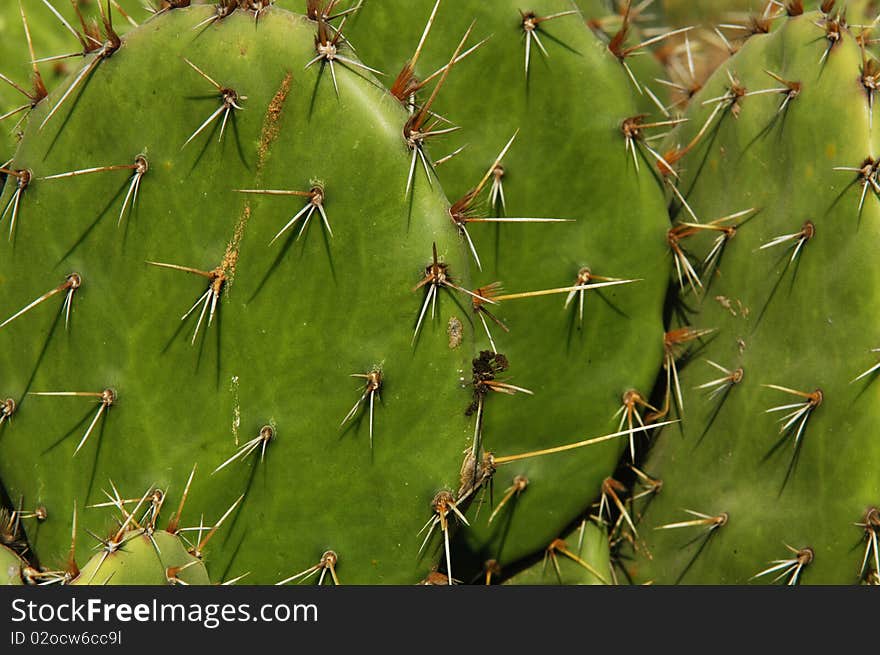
816	331
568	161
10	567
299	318
141	561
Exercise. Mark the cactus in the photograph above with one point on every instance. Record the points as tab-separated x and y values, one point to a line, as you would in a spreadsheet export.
141	560
582	558
772	476
33	21
110	384
567	111
240	269
279	334
10	567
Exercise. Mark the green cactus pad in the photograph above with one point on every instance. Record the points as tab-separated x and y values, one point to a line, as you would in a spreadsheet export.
777	467
294	320
142	560
10	567
568	161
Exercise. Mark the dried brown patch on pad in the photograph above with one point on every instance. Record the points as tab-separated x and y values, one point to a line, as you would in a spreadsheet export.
271	127
230	258
268	136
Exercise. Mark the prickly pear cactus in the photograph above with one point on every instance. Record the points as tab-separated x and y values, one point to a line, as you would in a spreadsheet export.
10	567
772	475
582	558
247	176
36	22
546	78
158	559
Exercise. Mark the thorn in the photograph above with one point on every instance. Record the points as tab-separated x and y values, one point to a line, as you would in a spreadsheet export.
520	483
315	202
198	550
72	570
672	343
583	282
229	99
430	78
328	563
234	580
835	27
871	83
23	178
713	522
559	546
799	238
868	177
261	441
680	257
666	163
796	420
218	279
550	292
791	567
684	230
489	292
418	129
651	485
172	573
531	23
174	523
405	85
315	10
442	505
437	277
122	12
140	168
107	398
870	371
485	370
464	211
328	48
790	90
71	283
871	524
722	384
633	133
102	49
580	444
221	10
39	87
628	411
7	409
610	487
737	92
617	45
371	392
